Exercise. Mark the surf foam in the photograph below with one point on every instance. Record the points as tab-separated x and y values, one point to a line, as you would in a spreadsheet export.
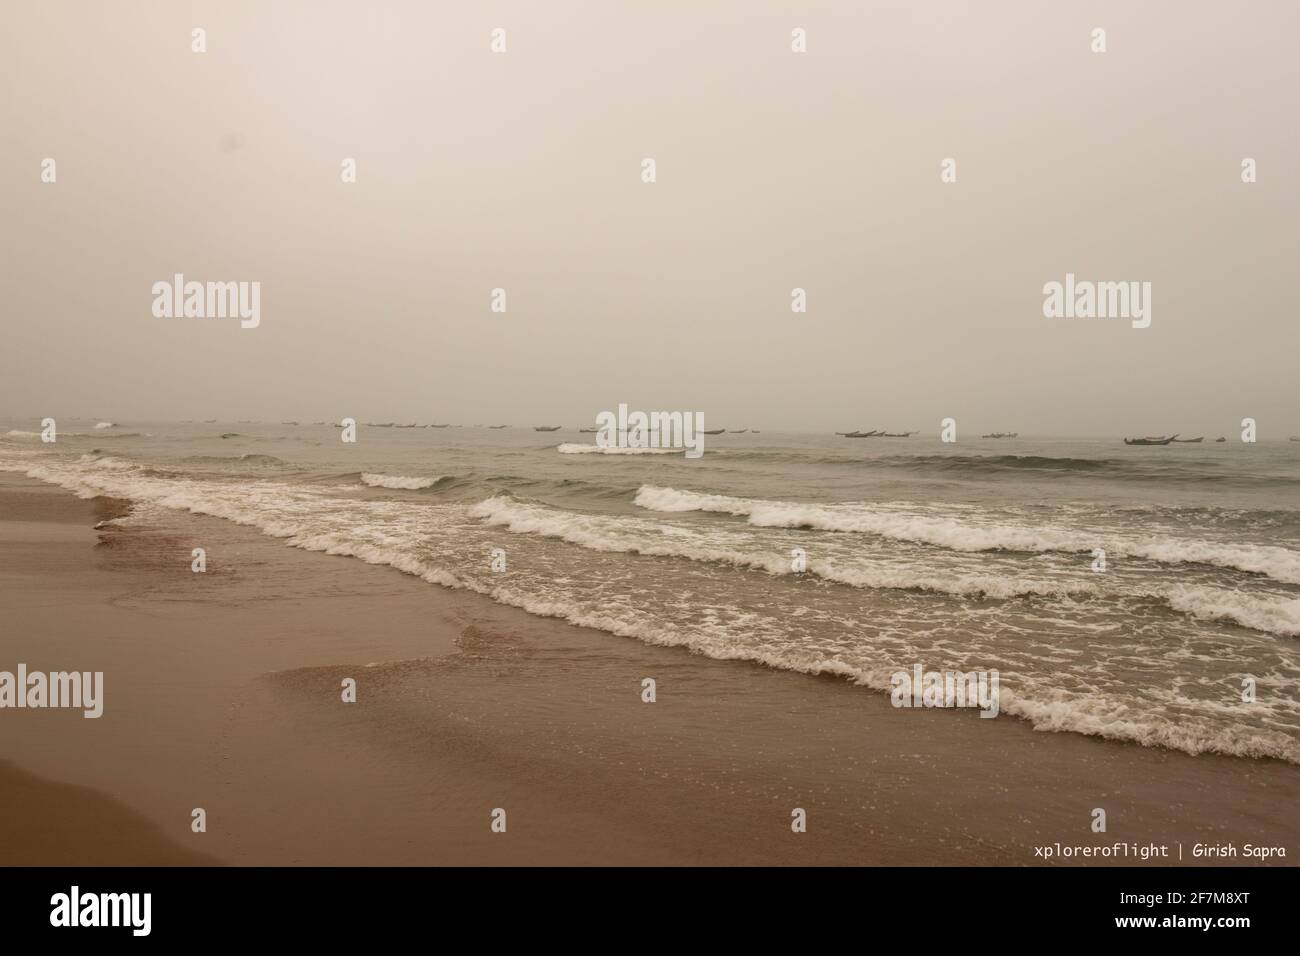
399	481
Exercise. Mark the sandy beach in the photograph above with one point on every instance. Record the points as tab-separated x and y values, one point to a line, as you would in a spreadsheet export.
222	692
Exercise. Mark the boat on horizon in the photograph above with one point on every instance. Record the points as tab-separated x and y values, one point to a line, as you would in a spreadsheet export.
1219	439
1150	440
740	431
1001	435
714	431
897	434
861	434
1189	441
547	428
498	426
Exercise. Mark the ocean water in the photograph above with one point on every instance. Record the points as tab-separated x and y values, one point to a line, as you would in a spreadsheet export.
977	555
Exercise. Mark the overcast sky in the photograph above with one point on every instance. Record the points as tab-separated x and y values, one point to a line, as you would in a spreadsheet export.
775	170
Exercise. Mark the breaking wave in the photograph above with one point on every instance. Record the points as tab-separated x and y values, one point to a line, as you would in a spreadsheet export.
399	481
573	448
637	536
1281	564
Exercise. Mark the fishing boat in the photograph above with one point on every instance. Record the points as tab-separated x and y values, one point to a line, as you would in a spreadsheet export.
870	434
498	426
1001	435
1190	441
714	431
438	426
1150	440
547	428
740	431
588	431
897	434
1219	439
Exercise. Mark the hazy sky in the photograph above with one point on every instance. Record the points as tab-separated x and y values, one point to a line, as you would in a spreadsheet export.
775	170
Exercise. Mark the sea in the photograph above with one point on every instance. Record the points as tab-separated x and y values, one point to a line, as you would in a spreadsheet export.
1146	594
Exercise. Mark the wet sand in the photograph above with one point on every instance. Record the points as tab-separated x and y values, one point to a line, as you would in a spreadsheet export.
43	823
222	691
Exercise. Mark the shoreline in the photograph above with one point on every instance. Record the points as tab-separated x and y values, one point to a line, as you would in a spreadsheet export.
222	691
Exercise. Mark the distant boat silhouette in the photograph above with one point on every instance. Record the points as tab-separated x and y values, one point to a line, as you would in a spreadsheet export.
1150	440
588	431
498	426
897	434
547	428
1189	441
859	434
714	431
1219	439
1001	435
740	431
436	426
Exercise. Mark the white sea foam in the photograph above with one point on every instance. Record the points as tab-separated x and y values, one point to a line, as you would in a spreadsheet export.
573	448
106	425
19	433
399	481
637	536
1102	715
107	463
1281	564
1273	615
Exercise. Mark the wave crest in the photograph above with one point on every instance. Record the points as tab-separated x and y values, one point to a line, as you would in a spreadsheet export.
1281	564
401	482
573	448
